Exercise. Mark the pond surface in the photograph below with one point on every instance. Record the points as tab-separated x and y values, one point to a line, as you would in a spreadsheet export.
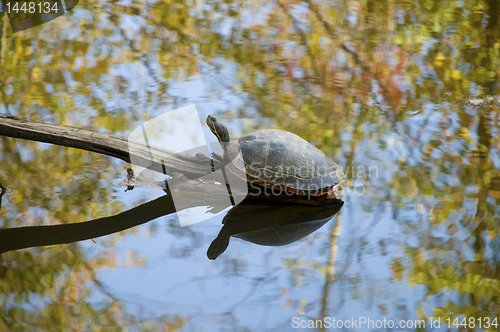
402	95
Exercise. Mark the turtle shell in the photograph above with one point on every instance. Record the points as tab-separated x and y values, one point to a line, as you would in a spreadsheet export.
283	162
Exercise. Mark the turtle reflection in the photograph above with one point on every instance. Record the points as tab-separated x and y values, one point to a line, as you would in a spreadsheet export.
271	223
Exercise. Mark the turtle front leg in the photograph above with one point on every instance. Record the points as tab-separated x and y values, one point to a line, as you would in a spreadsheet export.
216	156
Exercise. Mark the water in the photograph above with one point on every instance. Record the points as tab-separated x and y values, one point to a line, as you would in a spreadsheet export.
401	95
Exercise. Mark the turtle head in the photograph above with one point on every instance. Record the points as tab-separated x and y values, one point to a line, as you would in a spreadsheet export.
219	130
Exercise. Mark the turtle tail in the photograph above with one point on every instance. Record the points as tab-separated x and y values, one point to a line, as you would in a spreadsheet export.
218	246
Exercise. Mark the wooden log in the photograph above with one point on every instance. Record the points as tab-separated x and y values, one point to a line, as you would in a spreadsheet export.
151	157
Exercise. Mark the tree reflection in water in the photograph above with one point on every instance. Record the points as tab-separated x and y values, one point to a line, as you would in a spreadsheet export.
373	84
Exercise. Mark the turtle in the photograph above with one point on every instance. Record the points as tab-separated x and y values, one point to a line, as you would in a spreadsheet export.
271	223
278	161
